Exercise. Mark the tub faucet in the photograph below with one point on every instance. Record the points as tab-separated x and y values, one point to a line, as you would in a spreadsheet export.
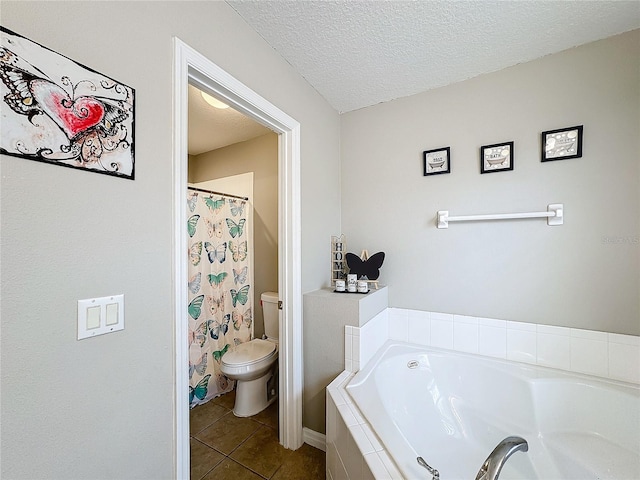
491	467
435	475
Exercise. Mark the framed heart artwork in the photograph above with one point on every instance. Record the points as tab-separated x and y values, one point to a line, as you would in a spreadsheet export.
58	111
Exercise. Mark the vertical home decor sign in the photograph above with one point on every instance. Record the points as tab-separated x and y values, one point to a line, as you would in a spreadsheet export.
338	261
58	111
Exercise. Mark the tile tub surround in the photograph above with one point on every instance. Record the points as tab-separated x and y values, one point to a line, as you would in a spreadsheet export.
608	355
354	451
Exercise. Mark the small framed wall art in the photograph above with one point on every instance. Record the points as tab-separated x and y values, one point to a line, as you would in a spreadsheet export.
437	161
496	158
562	143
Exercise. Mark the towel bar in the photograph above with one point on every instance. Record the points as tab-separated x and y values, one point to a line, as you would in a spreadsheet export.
554	216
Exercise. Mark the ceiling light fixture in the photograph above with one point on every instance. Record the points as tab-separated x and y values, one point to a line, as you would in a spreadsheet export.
214	102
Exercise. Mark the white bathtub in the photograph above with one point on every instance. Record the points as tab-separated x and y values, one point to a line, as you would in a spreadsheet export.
453	408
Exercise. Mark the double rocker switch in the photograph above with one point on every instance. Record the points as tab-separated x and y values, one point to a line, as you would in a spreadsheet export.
97	316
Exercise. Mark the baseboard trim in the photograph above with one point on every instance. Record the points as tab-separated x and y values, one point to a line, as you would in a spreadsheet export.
315	439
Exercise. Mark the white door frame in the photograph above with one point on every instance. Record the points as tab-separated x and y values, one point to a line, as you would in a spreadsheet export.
190	67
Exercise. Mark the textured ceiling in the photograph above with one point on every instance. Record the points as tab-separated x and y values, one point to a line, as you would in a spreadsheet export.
211	128
360	53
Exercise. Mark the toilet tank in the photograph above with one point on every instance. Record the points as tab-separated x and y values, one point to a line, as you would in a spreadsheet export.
269	301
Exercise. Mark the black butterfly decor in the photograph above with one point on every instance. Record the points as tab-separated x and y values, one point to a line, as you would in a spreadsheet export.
369	268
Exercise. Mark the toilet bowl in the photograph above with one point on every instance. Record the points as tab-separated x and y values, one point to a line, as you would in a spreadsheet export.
253	364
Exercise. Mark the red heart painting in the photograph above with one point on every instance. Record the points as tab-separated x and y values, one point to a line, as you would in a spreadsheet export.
72	116
58	111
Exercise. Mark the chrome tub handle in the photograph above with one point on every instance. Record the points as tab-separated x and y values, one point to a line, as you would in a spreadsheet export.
435	474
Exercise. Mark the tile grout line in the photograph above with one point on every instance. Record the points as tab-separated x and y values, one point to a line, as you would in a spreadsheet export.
264	421
208	446
228	456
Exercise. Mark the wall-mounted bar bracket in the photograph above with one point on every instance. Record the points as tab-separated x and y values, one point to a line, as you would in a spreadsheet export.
554	216
558	218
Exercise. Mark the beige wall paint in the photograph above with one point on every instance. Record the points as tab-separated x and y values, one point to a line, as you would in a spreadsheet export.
68	235
102	408
584	274
259	156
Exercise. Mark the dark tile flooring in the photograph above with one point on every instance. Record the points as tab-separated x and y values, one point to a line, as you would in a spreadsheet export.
226	447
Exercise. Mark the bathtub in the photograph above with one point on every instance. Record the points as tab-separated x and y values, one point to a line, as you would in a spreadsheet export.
453	408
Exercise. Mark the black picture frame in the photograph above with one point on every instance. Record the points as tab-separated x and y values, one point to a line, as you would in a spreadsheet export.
561	144
436	161
497	157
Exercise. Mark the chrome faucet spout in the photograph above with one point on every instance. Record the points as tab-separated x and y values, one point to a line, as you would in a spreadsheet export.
492	466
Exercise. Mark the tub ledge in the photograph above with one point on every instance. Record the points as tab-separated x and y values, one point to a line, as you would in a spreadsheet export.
353	449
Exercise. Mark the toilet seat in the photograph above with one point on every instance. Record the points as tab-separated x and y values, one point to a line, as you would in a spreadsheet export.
249	353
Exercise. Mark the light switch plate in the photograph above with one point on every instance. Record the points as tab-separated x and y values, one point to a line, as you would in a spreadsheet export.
97	316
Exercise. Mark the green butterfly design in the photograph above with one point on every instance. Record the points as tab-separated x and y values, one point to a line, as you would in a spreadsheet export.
214	204
195	307
240	296
236	229
191	224
216	280
200	390
217	354
238	250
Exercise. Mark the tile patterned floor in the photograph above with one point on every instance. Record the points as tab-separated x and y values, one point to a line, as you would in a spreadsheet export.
226	447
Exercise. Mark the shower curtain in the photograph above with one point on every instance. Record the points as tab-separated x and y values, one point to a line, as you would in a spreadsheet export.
220	297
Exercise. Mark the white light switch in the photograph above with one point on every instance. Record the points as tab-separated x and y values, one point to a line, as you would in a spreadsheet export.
97	316
112	313
93	317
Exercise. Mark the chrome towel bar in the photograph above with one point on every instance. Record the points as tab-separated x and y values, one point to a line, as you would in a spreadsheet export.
554	216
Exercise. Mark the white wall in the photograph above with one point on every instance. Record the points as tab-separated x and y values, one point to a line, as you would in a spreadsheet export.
584	274
103	407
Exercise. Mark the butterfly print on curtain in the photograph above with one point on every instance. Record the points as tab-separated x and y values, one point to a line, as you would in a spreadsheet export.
219	288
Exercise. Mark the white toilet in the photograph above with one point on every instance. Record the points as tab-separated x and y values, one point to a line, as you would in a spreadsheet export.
253	364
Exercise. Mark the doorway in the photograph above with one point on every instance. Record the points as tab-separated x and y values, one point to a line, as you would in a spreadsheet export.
190	67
